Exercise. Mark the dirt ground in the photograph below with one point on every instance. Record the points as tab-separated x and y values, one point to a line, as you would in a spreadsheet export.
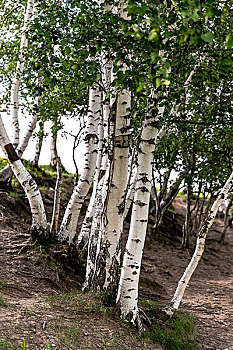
41	304
209	296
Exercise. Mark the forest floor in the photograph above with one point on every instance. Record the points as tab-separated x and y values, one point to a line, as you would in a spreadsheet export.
42	306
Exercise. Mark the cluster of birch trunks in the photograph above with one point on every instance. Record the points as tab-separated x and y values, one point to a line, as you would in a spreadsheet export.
121	186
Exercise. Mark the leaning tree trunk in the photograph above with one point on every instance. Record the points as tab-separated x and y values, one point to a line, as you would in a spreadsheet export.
39	226
127	297
200	246
19	69
69	223
6	172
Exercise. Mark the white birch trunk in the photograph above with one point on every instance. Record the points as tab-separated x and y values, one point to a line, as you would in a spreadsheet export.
112	222
200	246
6	172
19	70
95	234
102	157
39	222
86	225
93	231
38	146
23	144
109	244
130	195
127	297
53	148
69	223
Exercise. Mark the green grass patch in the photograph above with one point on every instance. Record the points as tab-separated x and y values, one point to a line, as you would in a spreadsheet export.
149	303
5	345
176	333
3	284
3	302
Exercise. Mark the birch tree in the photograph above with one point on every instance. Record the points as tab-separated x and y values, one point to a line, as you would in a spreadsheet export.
19	70
127	297
69	223
39	222
200	246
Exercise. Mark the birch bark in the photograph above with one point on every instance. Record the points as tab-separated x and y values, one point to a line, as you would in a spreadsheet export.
69	223
129	279
19	69
38	147
93	231
39	221
53	148
111	226
84	233
200	246
23	144
6	172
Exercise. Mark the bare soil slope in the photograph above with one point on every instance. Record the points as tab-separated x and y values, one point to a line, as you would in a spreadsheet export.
209	296
41	301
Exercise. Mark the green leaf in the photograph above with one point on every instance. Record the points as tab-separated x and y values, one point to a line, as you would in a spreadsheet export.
67	50
207	37
153	35
229	41
166	82
158	82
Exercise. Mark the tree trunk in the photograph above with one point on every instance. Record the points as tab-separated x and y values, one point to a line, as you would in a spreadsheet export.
38	147
187	225
226	220
127	297
69	223
200	246
57	200
84	233
6	172
23	144
167	200
39	228
53	147
19	69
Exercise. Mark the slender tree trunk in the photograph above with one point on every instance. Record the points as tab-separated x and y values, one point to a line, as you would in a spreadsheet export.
167	200
84	233
39	223
226	220
200	246
57	200
130	195
95	235
187	224
23	144
6	172
69	223
92	224
19	69
127	297
53	148
38	147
